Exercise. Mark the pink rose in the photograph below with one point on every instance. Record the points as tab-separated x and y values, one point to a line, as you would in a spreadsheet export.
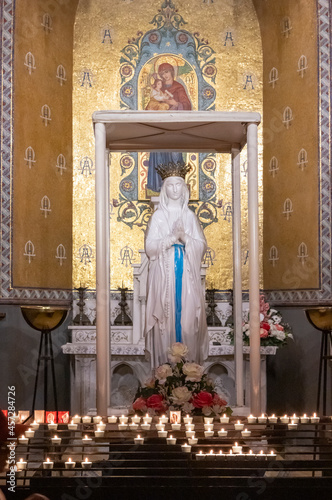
156	402
263	333
139	404
217	400
279	327
201	399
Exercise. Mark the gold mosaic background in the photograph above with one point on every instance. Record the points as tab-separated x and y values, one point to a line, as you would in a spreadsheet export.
125	19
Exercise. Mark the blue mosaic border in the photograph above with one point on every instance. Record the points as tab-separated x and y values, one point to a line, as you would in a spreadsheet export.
296	297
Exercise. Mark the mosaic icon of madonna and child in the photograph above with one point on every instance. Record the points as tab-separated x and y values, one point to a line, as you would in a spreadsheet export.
166	83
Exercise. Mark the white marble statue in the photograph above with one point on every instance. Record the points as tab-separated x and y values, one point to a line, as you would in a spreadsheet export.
175	244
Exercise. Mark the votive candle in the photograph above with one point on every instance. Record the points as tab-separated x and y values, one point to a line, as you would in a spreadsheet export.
222	433
21	464
48	464
138	439
70	464
171	440
86	464
224	419
251	419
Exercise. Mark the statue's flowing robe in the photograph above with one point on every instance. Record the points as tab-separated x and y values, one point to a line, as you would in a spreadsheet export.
160	308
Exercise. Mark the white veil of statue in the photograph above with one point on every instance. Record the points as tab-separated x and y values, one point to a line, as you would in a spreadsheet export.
175	244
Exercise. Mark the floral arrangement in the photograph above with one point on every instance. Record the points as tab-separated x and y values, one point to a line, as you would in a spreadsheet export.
180	386
272	330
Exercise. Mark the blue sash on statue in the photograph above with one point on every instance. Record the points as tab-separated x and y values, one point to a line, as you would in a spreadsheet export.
178	270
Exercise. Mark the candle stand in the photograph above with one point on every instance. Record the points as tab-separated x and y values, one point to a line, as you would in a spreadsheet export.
45	319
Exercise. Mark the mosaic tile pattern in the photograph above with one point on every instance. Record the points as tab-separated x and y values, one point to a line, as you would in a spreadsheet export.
7	292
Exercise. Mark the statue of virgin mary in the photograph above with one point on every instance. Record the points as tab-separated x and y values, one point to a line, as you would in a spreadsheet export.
175	244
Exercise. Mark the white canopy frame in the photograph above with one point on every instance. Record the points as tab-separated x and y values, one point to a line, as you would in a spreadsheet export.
199	131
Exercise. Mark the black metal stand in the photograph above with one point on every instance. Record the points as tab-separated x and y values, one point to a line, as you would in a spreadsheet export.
46	339
324	356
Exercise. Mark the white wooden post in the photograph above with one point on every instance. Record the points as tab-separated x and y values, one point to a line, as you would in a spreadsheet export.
255	363
102	272
237	276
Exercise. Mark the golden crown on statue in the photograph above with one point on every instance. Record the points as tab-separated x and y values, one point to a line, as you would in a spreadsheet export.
172	169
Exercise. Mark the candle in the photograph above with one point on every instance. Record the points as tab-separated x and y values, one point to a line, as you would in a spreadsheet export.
261	455
250	454
224	419
176	427
145	427
34	425
271	455
162	434
76	419
251	419
86	464
246	433
192	440
171	440
238	426
52	426
70	464
236	448
112	419
86	419
210	455
273	419
133	426
222	433
284	419
292	425
262	419
295	419
209	432
208	420
147	419
136	419
139	440
189	426
190	433
21	464
23	440
122	427
72	426
160	426
86	439
187	419
314	419
208	426
101	426
29	433
97	420
304	419
200	455
99	433
163	419
220	454
48	464
123	419
56	440
186	448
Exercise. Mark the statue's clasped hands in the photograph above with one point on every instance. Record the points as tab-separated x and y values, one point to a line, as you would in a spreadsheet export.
179	232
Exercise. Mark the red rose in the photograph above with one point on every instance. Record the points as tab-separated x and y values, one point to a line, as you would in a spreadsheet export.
263	333
218	401
266	326
139	404
201	399
156	402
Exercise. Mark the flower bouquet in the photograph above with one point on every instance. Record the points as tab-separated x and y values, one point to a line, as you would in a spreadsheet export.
180	386
272	330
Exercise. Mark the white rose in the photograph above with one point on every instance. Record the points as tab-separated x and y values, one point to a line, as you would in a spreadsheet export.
177	351
193	372
281	335
162	372
181	395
